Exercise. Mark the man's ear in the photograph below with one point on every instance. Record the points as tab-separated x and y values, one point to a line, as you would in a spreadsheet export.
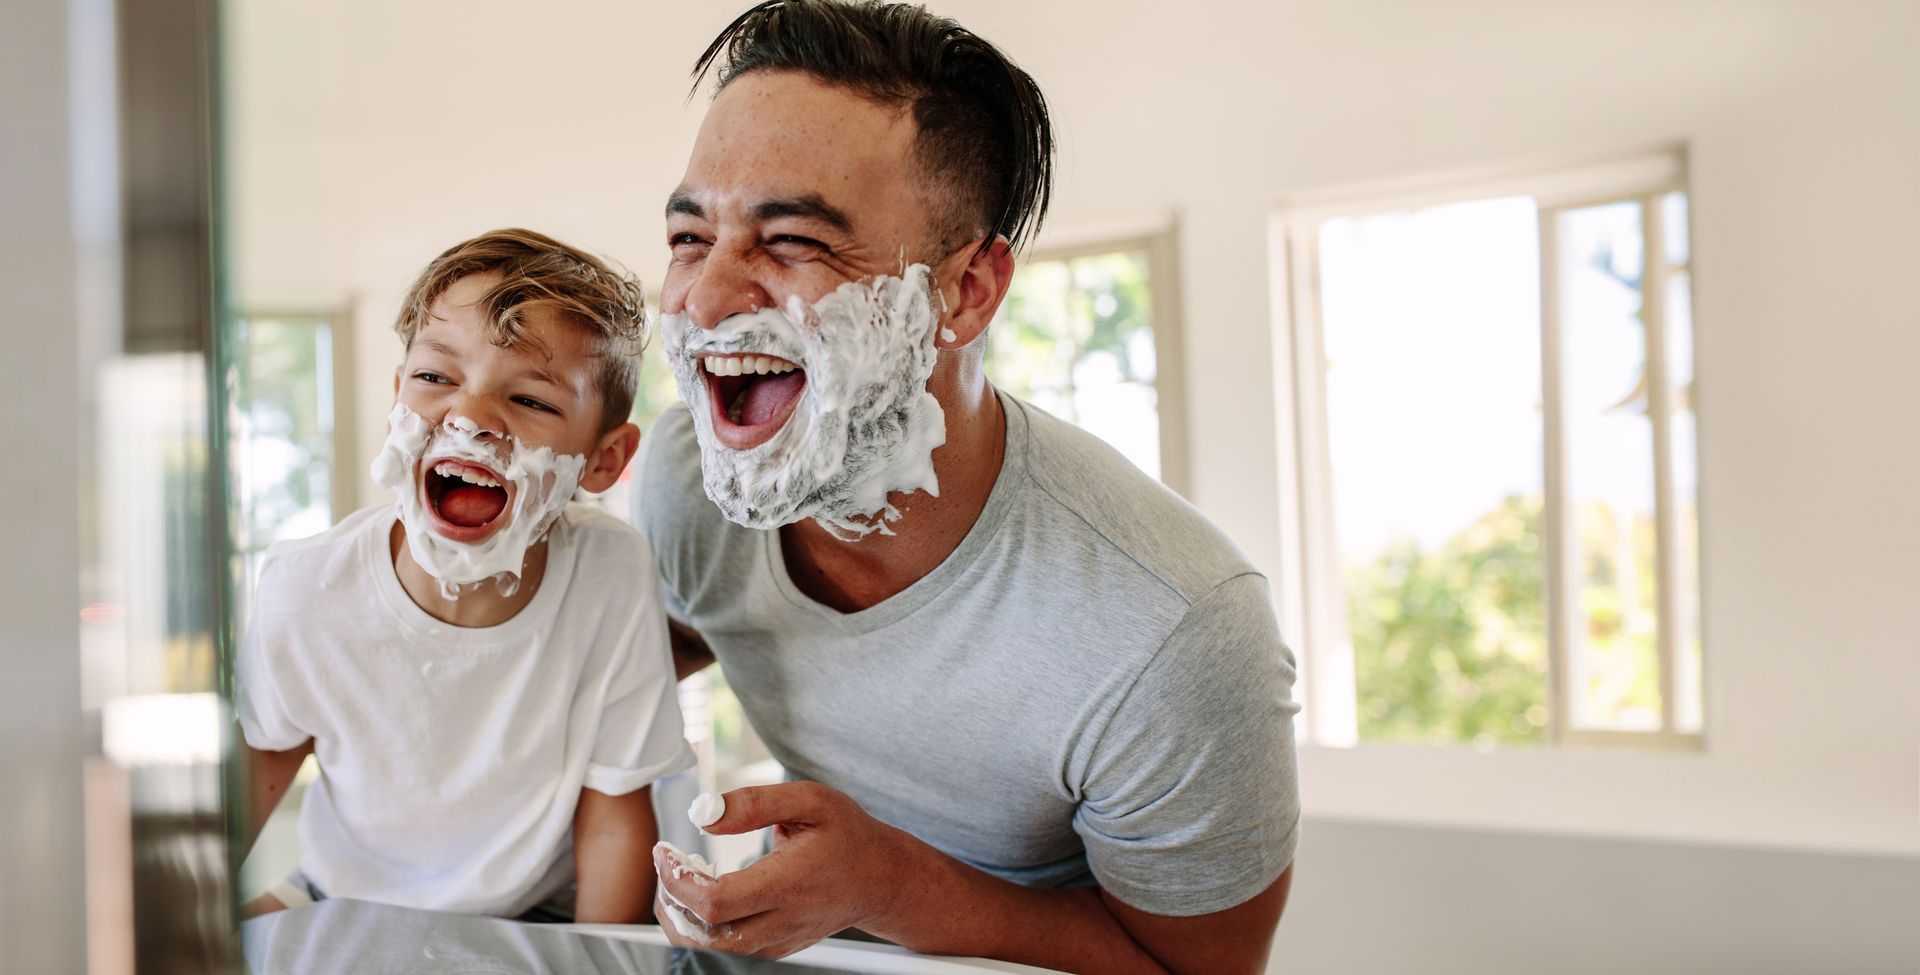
611	456
978	280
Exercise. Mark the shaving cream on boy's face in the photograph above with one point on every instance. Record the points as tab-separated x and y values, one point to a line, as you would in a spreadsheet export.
470	514
845	382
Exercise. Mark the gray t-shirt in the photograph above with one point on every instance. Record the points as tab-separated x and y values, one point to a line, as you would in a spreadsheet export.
1091	688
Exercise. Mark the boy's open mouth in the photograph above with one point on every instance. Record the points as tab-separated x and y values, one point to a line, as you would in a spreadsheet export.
751	396
466	500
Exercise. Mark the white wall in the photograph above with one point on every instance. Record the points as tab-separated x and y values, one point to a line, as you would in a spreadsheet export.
368	136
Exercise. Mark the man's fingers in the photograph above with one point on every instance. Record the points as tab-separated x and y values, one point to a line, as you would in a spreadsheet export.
733	897
769	935
760	806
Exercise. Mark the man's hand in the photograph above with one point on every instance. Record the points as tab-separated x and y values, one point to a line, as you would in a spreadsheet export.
831	867
834	867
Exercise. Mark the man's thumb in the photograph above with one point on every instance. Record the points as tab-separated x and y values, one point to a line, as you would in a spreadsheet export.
757	807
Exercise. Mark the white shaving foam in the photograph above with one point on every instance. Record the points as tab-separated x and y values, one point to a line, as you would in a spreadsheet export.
706	809
541	484
866	426
684	920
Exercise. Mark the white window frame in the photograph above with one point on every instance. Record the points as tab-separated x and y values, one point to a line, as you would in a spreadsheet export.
1310	589
1160	242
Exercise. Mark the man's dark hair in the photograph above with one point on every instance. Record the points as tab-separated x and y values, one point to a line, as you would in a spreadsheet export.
982	122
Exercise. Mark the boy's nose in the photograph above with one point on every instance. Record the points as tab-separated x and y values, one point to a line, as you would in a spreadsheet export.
724	288
475	417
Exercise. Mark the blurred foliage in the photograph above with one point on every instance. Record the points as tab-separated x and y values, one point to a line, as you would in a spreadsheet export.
1449	645
657	392
277	390
1059	316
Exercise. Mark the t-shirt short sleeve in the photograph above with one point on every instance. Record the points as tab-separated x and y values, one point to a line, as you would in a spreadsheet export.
266	683
1190	801
641	737
670	492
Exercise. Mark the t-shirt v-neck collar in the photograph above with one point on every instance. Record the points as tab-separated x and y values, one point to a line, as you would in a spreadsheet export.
1006	490
376	546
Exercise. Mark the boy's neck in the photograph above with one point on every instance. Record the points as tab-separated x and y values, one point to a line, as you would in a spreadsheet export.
478	605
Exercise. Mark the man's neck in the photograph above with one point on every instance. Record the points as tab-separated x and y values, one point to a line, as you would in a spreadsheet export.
852	576
478	605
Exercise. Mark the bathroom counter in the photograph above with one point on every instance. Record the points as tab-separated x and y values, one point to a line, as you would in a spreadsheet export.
356	936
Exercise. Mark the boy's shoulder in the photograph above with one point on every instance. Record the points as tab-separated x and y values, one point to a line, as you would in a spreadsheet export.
298	572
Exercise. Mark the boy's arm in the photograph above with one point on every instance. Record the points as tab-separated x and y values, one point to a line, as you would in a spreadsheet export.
613	839
268	776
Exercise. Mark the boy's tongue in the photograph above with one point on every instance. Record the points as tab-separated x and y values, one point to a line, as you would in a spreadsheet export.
472	505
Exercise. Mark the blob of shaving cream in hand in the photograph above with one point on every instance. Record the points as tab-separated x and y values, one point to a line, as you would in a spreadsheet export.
707	809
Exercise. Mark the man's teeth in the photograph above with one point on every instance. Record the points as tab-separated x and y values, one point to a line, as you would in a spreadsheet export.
451	469
747	365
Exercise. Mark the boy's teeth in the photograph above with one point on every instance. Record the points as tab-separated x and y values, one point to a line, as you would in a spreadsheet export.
450	469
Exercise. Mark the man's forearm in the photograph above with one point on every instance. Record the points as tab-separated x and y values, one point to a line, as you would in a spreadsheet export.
949	908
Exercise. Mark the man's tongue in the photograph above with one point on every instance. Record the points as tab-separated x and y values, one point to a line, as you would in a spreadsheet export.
472	505
770	397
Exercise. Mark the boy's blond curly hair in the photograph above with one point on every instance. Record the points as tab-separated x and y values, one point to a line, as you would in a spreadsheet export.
538	272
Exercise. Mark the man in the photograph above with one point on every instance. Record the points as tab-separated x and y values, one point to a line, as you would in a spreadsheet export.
1033	705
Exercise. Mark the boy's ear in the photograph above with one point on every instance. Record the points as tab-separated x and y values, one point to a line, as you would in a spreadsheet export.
978	281
611	456
397	370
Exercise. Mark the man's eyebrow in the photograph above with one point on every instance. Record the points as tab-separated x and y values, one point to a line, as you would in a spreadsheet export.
683	204
810	206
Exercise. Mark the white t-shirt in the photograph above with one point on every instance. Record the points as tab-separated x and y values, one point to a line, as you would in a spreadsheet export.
452	758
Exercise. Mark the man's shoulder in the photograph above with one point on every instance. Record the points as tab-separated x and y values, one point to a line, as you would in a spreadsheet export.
1097	493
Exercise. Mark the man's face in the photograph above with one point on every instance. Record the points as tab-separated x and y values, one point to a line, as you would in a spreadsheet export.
794	188
457	380
798	315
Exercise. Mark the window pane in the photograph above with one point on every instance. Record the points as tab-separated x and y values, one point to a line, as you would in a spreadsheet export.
1613	661
1431	324
1673	220
1075	338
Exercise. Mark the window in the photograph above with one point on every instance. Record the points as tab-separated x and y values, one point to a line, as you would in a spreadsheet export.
1086	334
286	432
1494	447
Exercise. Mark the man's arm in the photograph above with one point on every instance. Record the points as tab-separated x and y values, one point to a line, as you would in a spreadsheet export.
967	912
613	837
690	651
832	867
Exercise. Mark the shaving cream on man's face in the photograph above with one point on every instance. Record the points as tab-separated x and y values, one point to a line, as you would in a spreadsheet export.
469	513
844	381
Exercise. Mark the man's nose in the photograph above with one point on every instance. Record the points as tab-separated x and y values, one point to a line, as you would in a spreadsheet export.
725	287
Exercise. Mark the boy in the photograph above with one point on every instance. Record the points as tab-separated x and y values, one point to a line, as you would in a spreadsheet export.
481	669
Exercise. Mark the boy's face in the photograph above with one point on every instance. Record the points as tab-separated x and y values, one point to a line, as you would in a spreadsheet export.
454	377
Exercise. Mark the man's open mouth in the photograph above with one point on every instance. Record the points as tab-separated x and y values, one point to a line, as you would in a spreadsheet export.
466	500
751	396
